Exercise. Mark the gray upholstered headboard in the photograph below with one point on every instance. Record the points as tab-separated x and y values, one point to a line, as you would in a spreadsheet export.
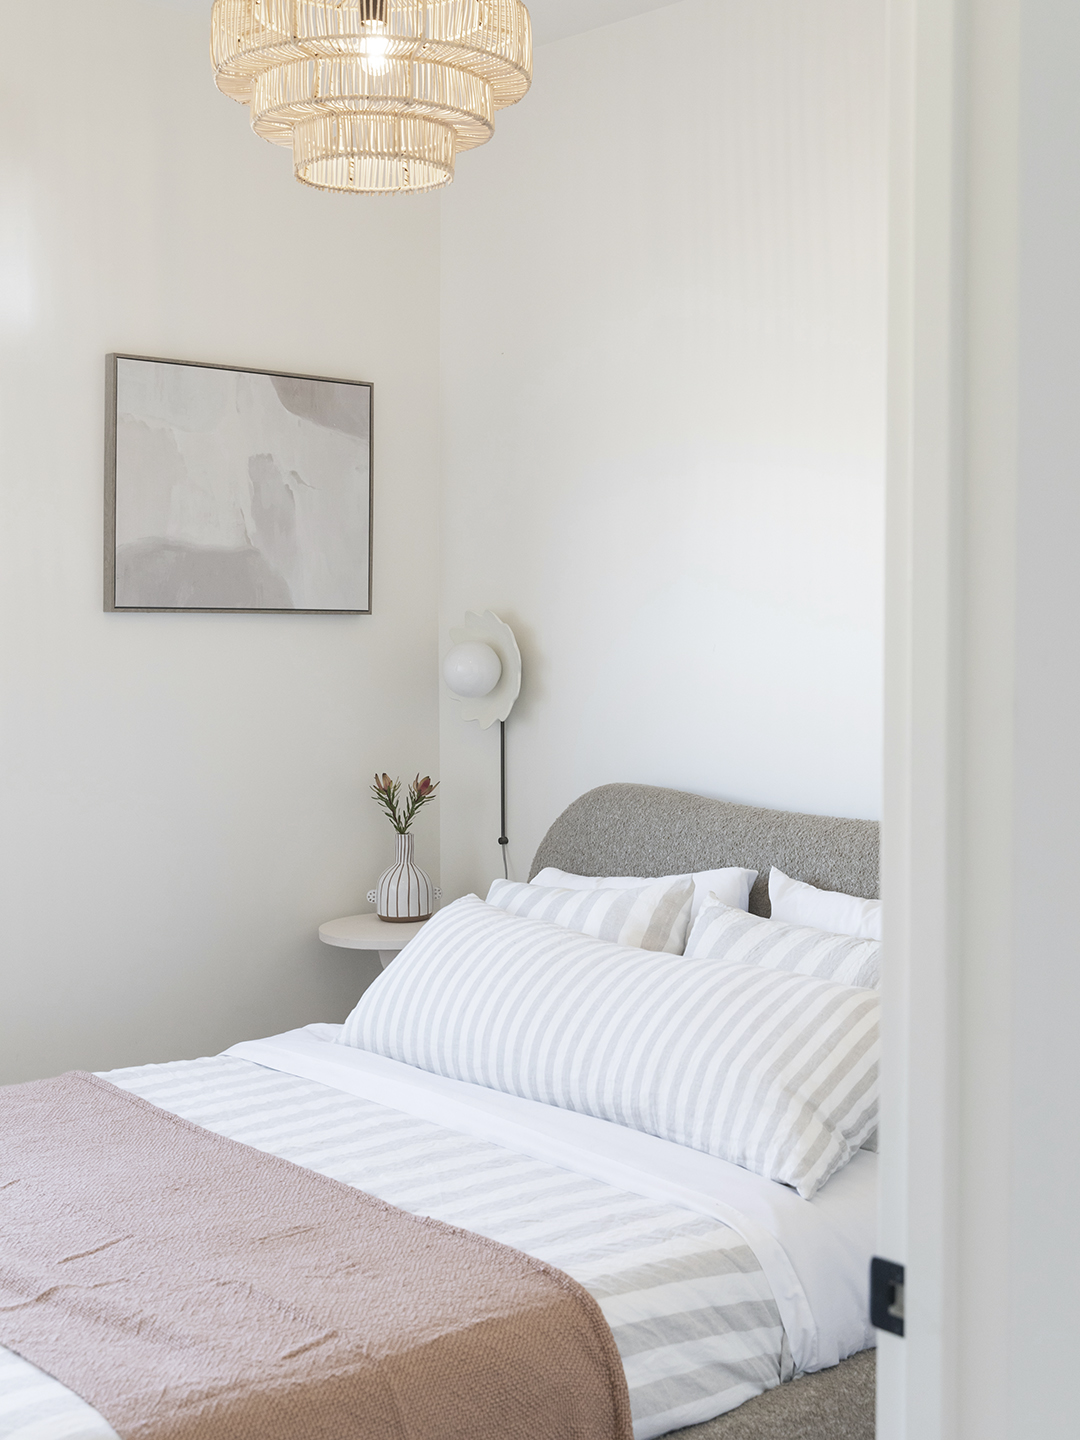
643	830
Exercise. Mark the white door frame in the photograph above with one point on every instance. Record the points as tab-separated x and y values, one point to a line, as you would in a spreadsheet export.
983	248
921	797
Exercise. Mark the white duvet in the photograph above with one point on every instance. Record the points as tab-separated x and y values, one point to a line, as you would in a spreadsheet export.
717	1284
815	1253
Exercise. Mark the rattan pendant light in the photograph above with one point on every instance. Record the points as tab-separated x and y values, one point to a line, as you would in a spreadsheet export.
376	97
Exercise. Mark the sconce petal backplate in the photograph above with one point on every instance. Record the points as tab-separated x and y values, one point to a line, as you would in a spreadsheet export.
488	629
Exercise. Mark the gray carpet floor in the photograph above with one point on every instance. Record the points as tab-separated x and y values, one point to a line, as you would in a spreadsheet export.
835	1404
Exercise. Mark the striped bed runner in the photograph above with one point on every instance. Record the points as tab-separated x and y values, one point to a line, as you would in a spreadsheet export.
691	1311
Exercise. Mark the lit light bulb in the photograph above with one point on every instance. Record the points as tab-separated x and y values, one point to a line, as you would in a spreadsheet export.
375	47
472	670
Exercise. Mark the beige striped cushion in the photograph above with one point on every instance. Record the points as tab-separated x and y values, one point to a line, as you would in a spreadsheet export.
731	885
654	916
773	1071
723	933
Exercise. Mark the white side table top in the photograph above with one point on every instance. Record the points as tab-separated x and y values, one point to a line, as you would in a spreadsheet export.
368	932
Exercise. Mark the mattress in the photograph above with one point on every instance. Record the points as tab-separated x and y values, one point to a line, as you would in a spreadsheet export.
717	1285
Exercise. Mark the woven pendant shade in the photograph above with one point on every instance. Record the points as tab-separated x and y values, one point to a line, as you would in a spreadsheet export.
375	97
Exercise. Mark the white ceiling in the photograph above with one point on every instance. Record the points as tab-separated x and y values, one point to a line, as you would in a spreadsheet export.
552	19
555	19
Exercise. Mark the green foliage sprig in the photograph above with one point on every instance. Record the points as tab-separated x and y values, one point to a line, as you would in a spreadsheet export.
387	793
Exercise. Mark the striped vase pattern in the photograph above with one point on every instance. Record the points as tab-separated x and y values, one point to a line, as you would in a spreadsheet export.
404	892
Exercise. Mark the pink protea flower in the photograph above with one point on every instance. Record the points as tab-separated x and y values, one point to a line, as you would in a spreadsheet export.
386	792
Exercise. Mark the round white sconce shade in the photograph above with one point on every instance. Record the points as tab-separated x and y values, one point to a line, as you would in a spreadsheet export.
472	670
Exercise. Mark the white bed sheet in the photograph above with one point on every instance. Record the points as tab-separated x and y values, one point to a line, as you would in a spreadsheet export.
815	1254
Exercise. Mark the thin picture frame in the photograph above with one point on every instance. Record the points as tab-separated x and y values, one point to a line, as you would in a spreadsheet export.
113	480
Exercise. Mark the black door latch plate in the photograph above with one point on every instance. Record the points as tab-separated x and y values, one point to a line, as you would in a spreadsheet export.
887	1295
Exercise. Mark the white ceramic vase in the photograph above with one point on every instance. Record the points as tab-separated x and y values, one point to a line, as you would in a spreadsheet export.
404	892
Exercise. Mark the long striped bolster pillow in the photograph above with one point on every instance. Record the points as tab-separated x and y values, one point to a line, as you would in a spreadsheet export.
650	916
774	1071
723	933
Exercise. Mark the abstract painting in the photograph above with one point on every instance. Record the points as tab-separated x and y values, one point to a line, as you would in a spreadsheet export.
236	490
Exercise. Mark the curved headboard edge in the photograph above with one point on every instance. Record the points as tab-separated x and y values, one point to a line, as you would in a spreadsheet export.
647	830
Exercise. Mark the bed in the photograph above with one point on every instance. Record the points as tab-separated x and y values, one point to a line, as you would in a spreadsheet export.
720	1287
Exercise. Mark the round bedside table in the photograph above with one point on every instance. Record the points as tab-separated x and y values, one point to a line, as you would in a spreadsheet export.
368	932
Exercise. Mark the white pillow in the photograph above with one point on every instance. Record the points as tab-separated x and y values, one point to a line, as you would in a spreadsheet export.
772	1071
796	903
721	933
732	885
648	917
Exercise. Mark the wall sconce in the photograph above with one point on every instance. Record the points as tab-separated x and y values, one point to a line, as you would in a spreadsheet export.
483	671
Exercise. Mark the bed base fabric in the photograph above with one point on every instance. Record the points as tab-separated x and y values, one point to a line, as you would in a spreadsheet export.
836	1404
644	830
187	1285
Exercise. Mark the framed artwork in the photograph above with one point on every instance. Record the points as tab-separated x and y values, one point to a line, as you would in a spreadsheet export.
236	490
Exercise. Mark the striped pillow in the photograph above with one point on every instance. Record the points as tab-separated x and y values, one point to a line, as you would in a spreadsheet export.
722	933
732	885
649	917
773	1071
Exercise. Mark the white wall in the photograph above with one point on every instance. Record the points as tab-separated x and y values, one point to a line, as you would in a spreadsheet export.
663	393
1044	988
183	798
